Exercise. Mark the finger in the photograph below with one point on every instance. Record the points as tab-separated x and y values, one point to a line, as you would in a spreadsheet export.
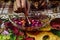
18	3
23	2
15	6
28	6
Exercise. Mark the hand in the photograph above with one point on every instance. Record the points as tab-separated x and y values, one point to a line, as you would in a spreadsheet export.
21	6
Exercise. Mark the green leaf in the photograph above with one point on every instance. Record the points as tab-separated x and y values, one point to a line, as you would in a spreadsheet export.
5	20
10	31
7	36
0	36
56	32
12	37
20	37
4	37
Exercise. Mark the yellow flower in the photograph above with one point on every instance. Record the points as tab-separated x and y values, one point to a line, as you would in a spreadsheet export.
46	28
50	36
41	35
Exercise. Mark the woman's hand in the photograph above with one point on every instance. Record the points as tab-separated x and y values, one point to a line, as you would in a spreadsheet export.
21	6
